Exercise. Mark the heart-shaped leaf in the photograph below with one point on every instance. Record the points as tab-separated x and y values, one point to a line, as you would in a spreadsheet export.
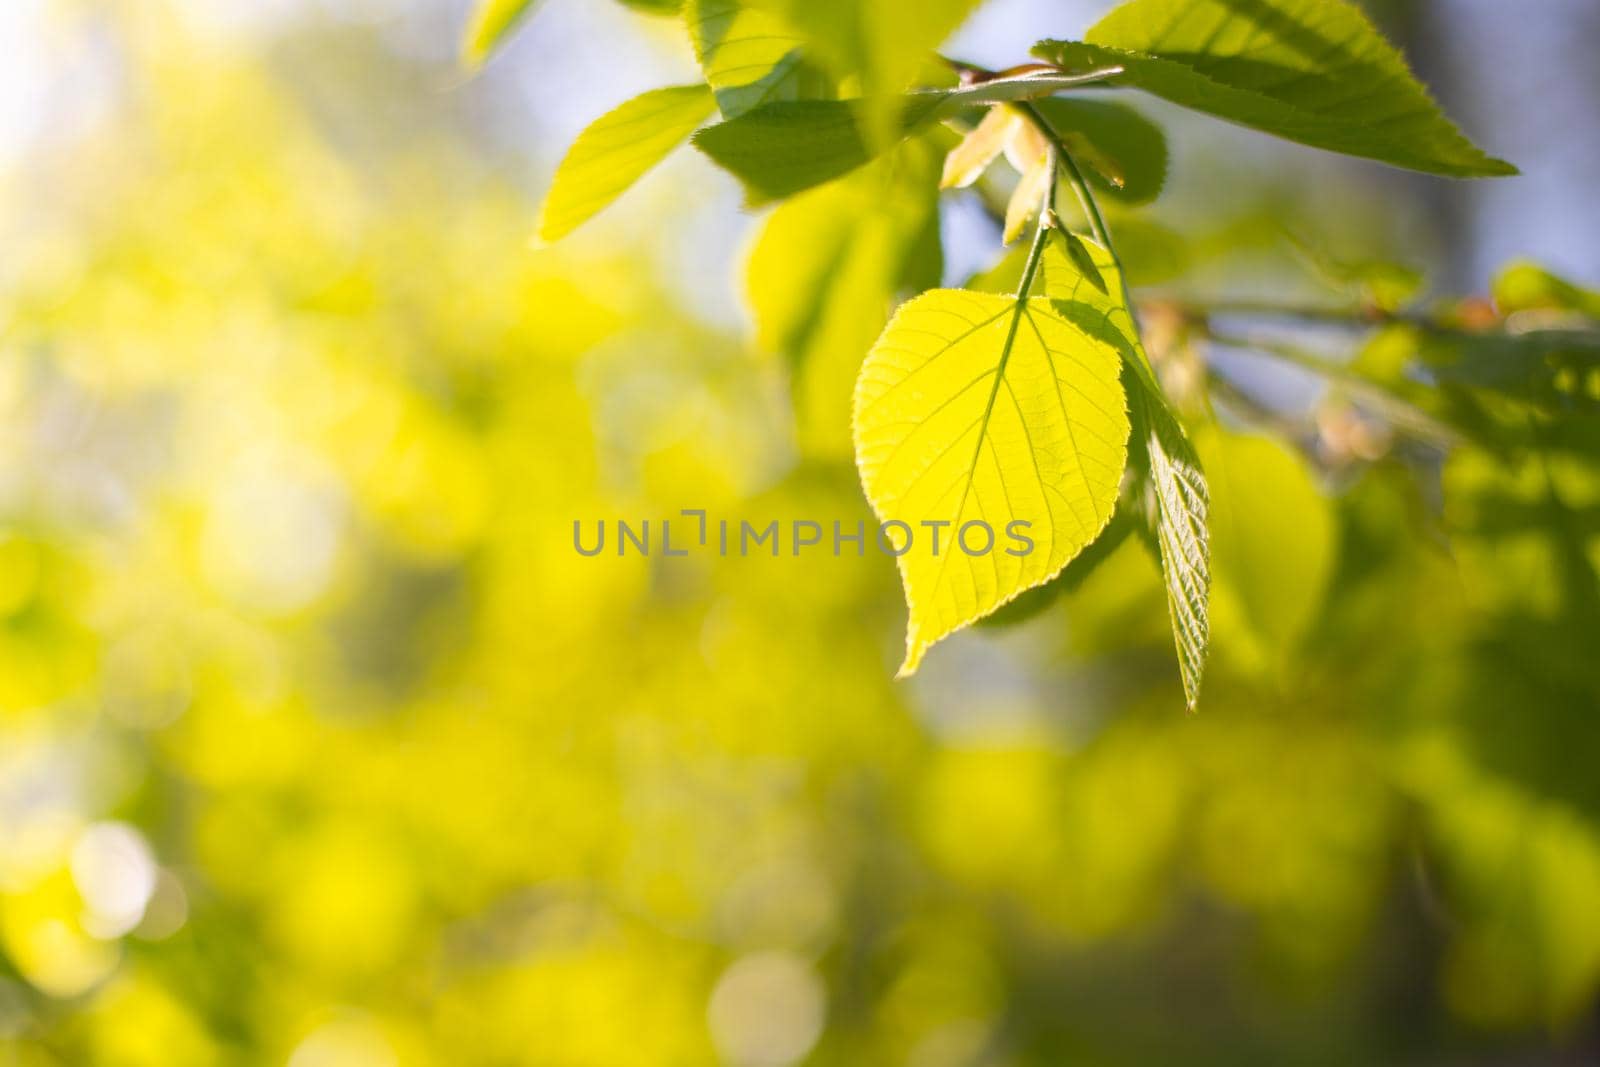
974	413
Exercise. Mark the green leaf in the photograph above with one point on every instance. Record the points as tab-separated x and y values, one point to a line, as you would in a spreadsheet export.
751	55
1083	279
827	269
979	408
1312	71
491	21
616	150
1126	152
780	149
654	7
1182	509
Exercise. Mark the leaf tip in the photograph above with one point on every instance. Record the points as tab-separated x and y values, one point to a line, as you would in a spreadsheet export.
914	650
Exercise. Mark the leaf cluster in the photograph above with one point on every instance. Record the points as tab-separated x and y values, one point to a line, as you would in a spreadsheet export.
1030	395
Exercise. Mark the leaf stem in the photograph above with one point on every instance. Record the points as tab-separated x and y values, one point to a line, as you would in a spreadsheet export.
1041	233
1091	210
1097	222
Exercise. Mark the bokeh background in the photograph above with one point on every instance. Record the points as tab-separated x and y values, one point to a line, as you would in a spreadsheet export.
320	745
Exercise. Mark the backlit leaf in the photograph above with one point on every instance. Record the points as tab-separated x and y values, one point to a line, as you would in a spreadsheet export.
969	159
1312	71
1182	509
1083	278
1026	197
975	408
616	150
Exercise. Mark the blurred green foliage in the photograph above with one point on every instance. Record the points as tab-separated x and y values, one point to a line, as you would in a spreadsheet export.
320	745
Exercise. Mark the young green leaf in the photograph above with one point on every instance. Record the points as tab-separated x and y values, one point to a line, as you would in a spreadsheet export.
1126	152
1083	279
1030	154
616	150
1312	71
982	411
750	55
1182	511
491	21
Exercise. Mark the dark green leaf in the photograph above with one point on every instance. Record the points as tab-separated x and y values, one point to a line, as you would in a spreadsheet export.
781	149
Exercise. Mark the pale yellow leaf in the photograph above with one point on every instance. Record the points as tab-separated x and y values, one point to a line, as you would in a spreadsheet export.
1026	198
1027	147
979	148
